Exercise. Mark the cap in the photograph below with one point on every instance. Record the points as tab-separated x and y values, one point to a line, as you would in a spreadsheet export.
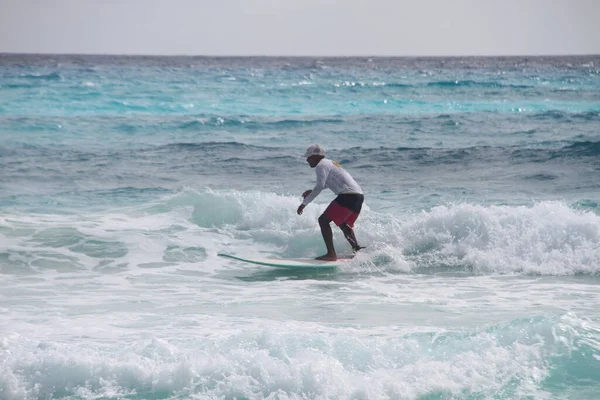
315	150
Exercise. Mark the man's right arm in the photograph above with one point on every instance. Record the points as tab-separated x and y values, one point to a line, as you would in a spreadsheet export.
321	177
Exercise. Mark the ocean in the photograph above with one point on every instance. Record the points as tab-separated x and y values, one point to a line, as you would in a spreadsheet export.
122	178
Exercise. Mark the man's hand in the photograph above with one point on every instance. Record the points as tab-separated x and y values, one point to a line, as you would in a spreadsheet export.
306	193
300	209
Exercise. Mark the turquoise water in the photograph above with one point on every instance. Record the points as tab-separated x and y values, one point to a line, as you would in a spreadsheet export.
124	177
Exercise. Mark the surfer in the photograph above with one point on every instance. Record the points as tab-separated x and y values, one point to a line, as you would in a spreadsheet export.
344	209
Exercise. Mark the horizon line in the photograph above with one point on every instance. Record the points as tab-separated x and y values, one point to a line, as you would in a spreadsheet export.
2	53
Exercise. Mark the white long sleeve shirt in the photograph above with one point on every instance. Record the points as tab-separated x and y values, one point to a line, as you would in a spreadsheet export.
331	175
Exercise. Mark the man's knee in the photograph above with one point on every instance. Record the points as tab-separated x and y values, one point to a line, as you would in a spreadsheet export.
345	228
324	220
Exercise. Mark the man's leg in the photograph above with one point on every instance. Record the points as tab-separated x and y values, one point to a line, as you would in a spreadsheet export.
349	234
327	233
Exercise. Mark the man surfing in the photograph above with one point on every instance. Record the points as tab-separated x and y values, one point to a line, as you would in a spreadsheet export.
344	209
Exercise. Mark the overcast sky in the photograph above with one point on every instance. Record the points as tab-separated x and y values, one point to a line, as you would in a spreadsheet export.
301	27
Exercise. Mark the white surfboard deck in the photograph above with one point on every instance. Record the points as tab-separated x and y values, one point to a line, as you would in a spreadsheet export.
290	262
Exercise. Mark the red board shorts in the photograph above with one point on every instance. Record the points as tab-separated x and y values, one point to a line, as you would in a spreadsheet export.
345	209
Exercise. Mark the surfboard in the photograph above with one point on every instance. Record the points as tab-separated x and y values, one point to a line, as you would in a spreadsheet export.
290	262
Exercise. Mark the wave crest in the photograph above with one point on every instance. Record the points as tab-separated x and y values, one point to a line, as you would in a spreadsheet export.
546	238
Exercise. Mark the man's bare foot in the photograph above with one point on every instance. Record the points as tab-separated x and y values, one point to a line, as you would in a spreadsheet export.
327	257
357	249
